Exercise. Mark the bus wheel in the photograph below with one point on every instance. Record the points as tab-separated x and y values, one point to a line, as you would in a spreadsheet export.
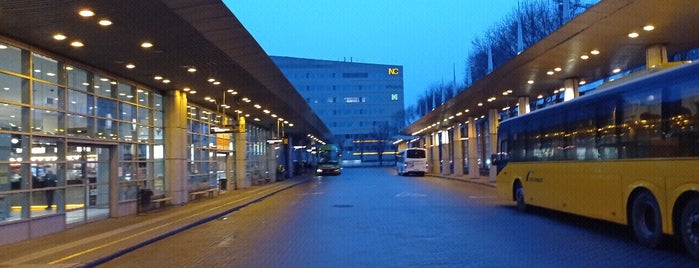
519	197
689	228
646	221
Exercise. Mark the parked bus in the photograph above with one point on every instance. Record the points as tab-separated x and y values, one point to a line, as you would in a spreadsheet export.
411	161
626	153
329	160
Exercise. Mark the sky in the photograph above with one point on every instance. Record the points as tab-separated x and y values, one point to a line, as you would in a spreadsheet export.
430	39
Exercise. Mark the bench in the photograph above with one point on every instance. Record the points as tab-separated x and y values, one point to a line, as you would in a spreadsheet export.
158	201
209	192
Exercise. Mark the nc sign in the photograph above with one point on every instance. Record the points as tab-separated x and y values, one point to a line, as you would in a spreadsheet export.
393	71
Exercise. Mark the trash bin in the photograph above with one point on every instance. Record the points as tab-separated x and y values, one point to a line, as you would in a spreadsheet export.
144	198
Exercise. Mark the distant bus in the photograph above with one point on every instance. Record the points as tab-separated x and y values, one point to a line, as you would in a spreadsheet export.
627	153
411	161
329	160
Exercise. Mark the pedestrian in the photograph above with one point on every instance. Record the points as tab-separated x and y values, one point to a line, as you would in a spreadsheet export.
49	181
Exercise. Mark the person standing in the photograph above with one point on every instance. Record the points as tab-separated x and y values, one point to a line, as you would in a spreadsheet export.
50	181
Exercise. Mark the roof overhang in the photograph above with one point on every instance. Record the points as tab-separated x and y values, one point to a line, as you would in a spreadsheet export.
200	33
603	27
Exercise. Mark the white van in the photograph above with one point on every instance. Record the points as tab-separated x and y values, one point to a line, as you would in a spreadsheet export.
412	161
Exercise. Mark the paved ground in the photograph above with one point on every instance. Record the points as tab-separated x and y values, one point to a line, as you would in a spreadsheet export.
369	217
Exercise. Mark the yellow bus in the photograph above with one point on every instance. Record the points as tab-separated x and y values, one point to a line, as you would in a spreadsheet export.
626	153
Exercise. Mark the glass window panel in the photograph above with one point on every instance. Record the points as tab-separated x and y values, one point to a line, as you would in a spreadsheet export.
106	108
48	122
12	117
143	97
158	118
143	133
12	89
126	92
79	102
47	95
44	68
158	136
126	131
79	126
143	116
104	86
128	112
77	78
16	200
157	102
106	129
10	58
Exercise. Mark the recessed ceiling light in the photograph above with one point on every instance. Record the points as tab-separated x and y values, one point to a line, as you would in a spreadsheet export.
86	13
59	37
616	70
557	69
146	45
530	82
166	81
549	72
105	22
130	66
191	69
633	35
594	52
584	57
648	28
157	77
76	44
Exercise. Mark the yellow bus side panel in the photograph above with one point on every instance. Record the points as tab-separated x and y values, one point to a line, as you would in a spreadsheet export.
600	189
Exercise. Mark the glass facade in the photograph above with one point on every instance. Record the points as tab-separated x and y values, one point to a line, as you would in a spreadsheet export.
59	127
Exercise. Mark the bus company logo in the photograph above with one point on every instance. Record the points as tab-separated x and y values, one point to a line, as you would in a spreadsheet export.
393	71
531	178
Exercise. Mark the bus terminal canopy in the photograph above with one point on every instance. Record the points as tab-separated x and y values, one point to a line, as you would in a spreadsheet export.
185	34
604	27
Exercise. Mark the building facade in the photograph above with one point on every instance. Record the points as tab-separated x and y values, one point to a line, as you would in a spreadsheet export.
361	103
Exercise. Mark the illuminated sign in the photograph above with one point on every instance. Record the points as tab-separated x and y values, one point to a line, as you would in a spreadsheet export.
393	71
223	129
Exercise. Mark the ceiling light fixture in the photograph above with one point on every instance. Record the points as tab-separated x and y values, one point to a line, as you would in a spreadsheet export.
86	13
648	28
105	22
77	44
59	37
146	45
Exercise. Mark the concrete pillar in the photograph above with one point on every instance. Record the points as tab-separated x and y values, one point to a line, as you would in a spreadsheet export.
493	119
571	89
523	105
430	155
175	126
435	153
656	55
272	162
472	149
446	156
241	182
289	152
458	152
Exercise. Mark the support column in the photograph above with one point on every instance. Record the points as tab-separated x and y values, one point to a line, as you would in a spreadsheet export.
493	119
175	127
472	149
435	153
272	162
446	156
571	89
523	105
458	152
655	55
240	154
428	147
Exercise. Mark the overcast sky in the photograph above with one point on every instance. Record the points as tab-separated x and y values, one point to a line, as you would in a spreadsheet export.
430	39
